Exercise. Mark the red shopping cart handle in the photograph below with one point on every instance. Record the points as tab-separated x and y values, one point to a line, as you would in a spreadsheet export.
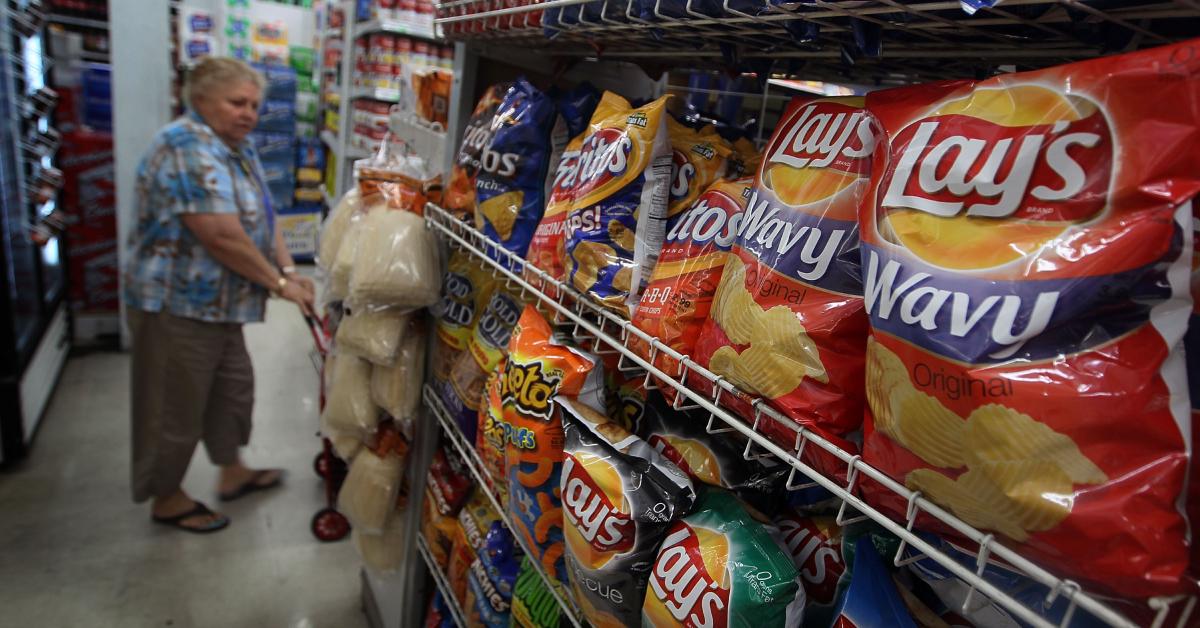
318	333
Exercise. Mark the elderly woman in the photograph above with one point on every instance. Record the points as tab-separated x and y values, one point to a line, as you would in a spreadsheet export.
206	253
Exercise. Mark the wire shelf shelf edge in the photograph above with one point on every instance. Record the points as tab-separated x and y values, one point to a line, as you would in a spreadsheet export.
576	309
442	583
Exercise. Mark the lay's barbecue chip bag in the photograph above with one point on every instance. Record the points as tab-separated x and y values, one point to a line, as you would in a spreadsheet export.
510	189
539	369
460	192
787	322
615	225
722	567
698	159
1025	265
677	300
619	496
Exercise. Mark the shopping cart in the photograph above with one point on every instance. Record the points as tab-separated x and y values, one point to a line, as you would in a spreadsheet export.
327	524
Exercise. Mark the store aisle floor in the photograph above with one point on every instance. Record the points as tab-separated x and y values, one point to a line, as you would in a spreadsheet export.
75	550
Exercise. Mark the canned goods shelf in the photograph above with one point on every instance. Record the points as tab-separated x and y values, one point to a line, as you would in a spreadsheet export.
876	40
609	329
442	583
397	27
470	458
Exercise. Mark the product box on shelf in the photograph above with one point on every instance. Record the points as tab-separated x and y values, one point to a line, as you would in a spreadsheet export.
278	116
280	81
299	226
89	199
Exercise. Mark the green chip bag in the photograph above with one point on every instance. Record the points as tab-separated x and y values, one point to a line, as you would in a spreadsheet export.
533	606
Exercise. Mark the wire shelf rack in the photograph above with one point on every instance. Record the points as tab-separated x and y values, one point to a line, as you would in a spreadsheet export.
466	451
882	40
442	582
608	329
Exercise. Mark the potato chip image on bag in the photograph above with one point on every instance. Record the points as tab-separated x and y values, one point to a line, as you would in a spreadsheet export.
787	322
539	369
1027	302
722	566
510	189
459	195
615	227
619	496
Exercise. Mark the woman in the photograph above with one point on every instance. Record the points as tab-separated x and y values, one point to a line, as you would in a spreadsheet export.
206	253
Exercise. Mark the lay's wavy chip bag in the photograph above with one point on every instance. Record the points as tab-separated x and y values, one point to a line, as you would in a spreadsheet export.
510	189
677	300
698	159
540	368
459	195
1025	261
615	225
619	495
787	322
722	566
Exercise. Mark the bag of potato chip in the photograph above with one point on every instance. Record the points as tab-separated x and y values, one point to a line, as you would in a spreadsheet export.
490	438
533	605
722	566
466	288
677	300
448	484
787	321
510	189
615	225
540	368
474	522
1025	265
619	495
815	544
745	160
698	159
460	192
872	598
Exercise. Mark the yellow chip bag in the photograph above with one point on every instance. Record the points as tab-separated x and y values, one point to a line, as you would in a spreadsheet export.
698	159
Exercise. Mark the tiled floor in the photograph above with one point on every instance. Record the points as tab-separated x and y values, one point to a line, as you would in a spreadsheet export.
75	550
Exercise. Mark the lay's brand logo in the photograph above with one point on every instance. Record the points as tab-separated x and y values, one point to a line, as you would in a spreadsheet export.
714	217
825	134
594	513
689	584
815	546
530	388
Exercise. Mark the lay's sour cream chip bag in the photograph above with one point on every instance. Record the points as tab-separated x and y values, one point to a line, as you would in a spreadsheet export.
615	225
619	495
540	368
1025	263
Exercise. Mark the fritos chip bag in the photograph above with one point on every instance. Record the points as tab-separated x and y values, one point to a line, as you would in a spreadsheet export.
745	160
540	368
619	496
787	321
677	300
698	159
460	192
721	566
1025	267
490	439
510	189
615	225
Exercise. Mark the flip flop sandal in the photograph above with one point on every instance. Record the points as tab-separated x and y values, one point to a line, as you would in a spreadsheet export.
253	485
198	511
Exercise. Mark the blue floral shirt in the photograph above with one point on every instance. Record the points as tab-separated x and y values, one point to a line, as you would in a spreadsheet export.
189	170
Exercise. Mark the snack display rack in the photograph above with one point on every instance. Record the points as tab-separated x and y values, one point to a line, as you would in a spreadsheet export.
443	585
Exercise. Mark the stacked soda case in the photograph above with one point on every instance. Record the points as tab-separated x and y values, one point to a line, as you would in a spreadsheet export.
991	273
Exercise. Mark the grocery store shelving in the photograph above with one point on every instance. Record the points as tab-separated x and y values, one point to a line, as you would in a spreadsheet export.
466	451
81	22
442	583
397	27
383	94
609	329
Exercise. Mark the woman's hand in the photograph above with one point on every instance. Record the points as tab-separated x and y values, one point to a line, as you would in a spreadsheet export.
300	293
305	282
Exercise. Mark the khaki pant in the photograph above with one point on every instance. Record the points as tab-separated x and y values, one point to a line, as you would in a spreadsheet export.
190	380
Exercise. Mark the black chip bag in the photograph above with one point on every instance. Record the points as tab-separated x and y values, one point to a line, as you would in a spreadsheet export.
619	496
459	196
510	190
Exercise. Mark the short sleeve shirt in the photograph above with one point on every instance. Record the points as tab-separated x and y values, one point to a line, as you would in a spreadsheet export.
189	170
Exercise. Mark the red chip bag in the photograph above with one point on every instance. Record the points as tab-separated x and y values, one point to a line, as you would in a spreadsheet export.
1025	265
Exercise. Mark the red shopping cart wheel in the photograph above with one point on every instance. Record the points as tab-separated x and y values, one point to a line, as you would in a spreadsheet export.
321	465
330	525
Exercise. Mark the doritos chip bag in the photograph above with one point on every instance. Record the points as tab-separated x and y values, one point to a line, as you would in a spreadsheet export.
787	321
677	300
721	566
619	496
540	368
490	439
615	226
698	159
510	189
1025	266
460	193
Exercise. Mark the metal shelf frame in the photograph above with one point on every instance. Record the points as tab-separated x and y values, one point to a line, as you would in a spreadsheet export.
397	27
609	329
466	451
442	583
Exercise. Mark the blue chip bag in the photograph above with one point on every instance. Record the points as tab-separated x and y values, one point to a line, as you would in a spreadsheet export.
491	580
872	599
510	189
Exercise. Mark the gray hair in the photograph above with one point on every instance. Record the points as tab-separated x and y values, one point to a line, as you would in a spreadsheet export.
213	72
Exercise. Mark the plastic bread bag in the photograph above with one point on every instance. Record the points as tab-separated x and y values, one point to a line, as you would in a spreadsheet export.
333	233
343	261
400	179
373	335
368	496
384	552
396	263
348	407
397	388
